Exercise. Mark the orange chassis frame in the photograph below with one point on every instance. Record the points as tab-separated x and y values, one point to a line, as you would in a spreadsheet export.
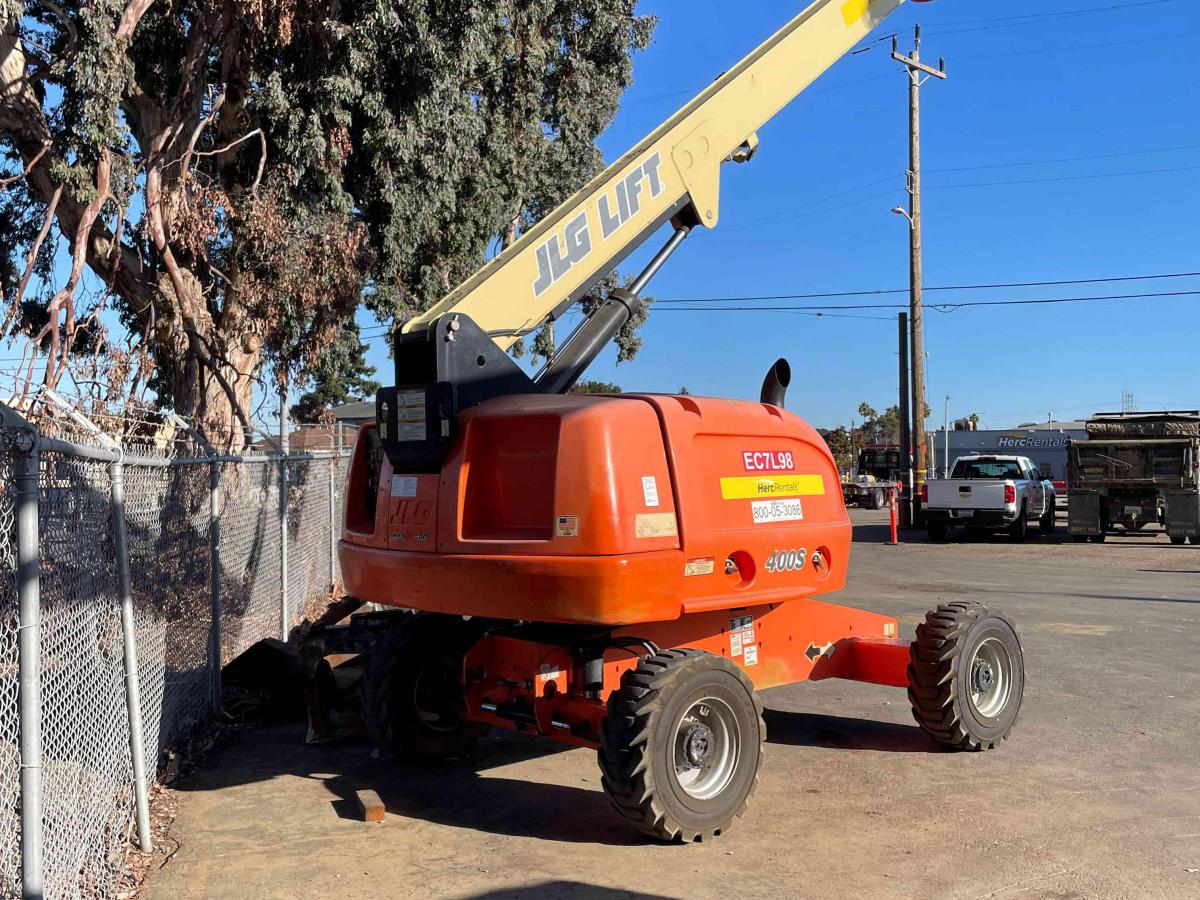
536	685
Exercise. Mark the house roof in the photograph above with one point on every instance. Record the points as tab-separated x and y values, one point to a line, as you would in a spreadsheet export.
358	410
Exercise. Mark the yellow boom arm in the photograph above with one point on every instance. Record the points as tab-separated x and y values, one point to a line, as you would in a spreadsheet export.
672	173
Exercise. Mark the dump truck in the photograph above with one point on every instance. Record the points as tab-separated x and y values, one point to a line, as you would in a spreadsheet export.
1134	470
628	572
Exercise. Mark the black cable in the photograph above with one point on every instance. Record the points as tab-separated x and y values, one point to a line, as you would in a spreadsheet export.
948	287
937	306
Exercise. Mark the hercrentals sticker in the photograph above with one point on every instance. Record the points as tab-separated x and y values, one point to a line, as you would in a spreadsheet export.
757	487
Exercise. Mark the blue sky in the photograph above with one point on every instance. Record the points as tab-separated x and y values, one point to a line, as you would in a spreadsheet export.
1107	92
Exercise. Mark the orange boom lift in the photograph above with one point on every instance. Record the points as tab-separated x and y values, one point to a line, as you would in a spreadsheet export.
627	572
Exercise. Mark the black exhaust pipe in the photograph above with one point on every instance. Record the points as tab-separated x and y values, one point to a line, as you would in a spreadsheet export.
775	385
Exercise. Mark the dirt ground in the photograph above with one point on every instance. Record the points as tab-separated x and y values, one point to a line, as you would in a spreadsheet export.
1097	794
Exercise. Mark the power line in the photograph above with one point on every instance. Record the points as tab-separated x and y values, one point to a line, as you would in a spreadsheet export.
1034	18
1057	14
948	287
1065	159
1063	178
950	307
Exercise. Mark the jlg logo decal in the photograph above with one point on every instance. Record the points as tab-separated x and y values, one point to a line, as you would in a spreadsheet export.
556	258
769	460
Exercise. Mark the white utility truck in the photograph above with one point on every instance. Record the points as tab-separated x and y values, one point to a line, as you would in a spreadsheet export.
990	493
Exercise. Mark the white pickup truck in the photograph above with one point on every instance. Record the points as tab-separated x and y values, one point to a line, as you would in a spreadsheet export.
990	493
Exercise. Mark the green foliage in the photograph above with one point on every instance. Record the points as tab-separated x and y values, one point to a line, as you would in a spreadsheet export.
341	374
842	447
595	387
240	175
879	428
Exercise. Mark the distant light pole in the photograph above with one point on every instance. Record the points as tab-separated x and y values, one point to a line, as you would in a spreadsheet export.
946	439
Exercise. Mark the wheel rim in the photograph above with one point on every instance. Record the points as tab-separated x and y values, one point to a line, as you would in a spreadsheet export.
991	677
707	747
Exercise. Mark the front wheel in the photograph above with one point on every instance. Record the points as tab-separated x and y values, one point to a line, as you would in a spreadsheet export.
681	745
966	676
1178	539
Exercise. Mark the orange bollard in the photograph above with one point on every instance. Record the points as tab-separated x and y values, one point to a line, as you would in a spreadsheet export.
892	508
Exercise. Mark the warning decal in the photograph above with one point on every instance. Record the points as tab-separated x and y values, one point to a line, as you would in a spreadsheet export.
703	566
404	486
758	487
650	490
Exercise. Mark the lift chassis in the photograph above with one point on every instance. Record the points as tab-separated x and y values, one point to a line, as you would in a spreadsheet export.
628	572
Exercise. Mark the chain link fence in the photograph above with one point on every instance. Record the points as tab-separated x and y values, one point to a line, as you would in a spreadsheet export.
121	610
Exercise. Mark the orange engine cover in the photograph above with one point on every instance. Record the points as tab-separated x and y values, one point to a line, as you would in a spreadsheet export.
610	510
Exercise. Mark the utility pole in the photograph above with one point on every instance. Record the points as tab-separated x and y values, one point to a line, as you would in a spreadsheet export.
918	74
906	480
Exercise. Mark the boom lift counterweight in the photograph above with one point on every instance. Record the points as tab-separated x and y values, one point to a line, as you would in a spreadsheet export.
626	573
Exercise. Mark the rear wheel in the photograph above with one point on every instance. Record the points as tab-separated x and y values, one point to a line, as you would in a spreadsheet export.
966	676
1178	539
1098	538
412	690
877	500
1079	538
937	531
1046	522
681	746
1019	529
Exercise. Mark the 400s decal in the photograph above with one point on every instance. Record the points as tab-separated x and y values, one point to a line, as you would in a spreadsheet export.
786	560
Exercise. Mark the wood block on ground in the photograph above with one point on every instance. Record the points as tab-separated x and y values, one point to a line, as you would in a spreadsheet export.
370	807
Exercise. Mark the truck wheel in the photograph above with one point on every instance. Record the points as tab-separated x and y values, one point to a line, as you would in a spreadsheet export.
937	531
1098	538
1178	539
877	501
1019	529
412	693
1194	540
1046	522
1079	538
966	676
681	745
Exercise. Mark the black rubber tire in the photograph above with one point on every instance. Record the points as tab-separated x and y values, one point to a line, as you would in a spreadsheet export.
939	675
637	744
1019	530
419	646
1194	540
1178	539
1079	538
1098	538
877	500
937	531
1046	522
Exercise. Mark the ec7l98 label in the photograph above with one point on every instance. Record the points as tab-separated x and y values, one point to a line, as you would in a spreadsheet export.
769	460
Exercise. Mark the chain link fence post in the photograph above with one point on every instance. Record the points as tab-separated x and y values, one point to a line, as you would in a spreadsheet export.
133	687
29	647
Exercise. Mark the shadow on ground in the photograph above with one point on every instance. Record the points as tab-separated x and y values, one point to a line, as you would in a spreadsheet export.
813	730
563	890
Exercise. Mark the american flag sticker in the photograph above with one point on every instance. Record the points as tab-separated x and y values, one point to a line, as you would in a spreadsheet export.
567	526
